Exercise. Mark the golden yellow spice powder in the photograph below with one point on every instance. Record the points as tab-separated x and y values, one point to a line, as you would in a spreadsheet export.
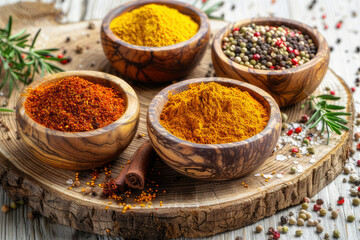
212	114
154	25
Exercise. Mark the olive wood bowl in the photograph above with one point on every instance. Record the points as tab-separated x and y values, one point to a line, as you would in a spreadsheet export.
155	64
214	162
287	86
80	150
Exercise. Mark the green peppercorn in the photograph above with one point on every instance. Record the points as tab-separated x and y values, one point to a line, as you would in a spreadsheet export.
350	218
237	59
232	48
356	201
298	233
293	170
323	212
306	141
232	54
225	39
252	62
242	44
311	150
302	216
234	42
336	233
305	206
284	229
284	126
13	205
243	50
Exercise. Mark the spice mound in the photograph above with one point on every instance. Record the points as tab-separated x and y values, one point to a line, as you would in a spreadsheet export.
213	114
74	104
268	47
154	25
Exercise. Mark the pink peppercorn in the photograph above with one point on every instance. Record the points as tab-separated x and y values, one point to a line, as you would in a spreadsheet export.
358	147
298	130
353	89
332	92
276	235
341	200
257	34
304	118
358	163
295	61
290	132
296	52
295	150
339	24
317	207
256	56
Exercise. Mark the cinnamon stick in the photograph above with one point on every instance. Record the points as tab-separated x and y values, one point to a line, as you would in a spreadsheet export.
139	166
120	180
133	175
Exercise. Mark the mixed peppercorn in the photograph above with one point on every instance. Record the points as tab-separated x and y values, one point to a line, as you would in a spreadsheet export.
268	47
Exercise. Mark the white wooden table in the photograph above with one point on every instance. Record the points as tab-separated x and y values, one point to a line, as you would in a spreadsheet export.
344	61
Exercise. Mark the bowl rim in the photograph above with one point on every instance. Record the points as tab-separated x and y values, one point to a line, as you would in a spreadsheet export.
132	107
204	26
153	120
314	33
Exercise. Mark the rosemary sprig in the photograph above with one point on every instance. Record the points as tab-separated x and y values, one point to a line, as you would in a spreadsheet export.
324	113
213	8
20	61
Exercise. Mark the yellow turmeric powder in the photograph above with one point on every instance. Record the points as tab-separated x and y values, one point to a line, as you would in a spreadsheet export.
154	25
212	114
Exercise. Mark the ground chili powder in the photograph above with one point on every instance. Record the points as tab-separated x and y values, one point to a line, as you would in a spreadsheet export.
74	104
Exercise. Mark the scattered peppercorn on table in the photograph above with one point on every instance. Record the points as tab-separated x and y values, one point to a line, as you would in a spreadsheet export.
280	182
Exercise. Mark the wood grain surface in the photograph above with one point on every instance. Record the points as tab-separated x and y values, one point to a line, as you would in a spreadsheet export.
42	227
287	86
155	64
214	162
80	150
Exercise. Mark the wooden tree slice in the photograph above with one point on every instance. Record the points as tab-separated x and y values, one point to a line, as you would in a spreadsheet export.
190	208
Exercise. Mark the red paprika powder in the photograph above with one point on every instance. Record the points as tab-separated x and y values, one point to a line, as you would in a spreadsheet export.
74	104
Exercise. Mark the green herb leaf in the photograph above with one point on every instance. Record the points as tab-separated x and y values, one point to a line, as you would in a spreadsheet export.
328	97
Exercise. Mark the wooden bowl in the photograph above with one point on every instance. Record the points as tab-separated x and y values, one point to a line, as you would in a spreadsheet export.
214	161
80	150
155	64
287	86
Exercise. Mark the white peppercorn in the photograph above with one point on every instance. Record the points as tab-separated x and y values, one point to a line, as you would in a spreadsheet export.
319	228
334	214
292	221
300	222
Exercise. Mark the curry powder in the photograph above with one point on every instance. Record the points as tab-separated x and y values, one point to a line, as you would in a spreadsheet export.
213	114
